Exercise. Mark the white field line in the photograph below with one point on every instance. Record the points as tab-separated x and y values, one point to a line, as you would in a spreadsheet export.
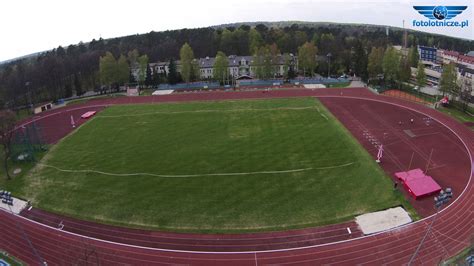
209	111
197	175
321	114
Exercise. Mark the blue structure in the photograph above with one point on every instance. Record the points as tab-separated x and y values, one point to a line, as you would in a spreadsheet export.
427	53
324	81
189	86
259	82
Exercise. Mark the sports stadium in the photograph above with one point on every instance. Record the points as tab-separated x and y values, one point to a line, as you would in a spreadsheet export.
243	177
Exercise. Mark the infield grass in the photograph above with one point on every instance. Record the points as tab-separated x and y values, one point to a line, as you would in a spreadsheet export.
325	175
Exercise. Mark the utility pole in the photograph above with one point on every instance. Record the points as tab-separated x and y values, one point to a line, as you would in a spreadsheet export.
329	64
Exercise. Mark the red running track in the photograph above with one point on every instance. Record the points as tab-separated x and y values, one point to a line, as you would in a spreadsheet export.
450	233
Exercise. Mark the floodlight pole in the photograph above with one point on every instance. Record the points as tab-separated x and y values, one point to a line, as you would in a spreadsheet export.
329	64
443	198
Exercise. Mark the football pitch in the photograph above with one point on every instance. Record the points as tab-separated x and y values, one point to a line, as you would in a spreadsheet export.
229	166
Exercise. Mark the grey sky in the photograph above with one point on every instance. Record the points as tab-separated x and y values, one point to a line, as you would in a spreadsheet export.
29	26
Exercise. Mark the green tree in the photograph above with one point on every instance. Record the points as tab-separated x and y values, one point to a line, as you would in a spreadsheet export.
220	68
284	42
227	40
156	78
307	57
195	70
78	85
149	76
132	57
187	56
447	83
255	40
286	66
374	65
7	125
413	56
123	70
68	90
359	58
315	39
142	68
421	75
390	64
404	70
300	38
173	74
107	69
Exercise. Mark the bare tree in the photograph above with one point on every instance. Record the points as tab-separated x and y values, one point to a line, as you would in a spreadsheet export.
7	126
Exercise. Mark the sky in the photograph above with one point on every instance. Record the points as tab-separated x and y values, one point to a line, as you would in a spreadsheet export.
29	26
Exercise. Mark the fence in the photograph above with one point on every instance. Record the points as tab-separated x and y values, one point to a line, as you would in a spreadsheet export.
190	86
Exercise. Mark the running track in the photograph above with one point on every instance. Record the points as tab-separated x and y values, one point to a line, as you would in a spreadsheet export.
450	234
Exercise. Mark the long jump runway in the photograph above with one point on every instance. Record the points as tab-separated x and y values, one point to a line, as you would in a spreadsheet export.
436	142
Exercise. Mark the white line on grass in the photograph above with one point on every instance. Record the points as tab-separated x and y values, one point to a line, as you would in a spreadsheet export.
321	114
197	175
209	111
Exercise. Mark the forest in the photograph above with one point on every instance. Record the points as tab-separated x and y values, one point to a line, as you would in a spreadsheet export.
66	71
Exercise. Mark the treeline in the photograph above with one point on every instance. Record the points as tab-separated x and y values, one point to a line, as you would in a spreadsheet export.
66	71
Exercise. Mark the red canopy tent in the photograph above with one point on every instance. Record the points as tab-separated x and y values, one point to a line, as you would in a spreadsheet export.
417	183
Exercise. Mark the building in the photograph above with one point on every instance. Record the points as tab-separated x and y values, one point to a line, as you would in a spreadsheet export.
434	59
133	91
42	107
466	80
427	53
238	66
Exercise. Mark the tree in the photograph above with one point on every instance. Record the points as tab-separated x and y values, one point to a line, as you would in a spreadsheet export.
123	70
220	68
465	93
390	64
421	75
286	66
142	68
68	90
173	74
374	65
447	83
307	57
107	69
195	70
131	77
149	76
78	85
315	39
359	57
156	78
7	126
413	56
187	56
132	57
300	38
255	40
404	70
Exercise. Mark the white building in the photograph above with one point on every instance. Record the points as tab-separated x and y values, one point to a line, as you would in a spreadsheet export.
238	66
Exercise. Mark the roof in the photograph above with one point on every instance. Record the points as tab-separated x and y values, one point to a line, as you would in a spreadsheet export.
233	61
466	58
451	53
427	48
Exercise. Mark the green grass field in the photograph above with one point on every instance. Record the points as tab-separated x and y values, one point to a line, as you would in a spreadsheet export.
231	166
457	114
